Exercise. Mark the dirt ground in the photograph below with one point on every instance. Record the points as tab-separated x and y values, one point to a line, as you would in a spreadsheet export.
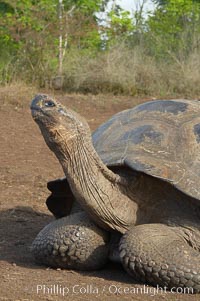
26	164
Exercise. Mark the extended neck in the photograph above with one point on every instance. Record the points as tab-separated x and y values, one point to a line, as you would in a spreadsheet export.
100	192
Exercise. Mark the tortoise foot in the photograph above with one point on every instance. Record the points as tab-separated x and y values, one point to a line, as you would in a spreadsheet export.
155	254
72	242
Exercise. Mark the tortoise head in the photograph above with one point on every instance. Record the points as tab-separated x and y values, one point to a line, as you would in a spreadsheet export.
59	125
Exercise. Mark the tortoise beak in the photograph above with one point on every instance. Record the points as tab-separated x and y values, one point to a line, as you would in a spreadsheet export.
38	102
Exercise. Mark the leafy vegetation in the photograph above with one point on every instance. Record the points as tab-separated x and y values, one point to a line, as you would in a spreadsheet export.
102	50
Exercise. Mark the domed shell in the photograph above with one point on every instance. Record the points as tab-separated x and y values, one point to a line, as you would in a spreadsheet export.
160	138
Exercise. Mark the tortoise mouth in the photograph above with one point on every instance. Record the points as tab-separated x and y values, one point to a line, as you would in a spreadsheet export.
38	114
35	108
36	111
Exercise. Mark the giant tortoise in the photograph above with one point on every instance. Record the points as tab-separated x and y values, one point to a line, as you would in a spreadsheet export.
132	187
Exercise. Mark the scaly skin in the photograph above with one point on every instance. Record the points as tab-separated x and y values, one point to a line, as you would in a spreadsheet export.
72	242
158	254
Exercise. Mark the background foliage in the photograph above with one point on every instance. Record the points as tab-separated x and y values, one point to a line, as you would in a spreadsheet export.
156	53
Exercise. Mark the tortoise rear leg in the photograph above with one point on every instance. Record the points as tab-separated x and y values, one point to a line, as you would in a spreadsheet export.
73	242
158	255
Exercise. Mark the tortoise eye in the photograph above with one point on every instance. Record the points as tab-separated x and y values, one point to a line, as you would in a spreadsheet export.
49	103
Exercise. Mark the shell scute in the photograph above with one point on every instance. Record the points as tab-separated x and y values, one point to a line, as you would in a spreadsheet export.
138	135
165	106
160	138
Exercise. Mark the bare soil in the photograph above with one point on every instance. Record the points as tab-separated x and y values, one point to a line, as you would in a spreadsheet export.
26	166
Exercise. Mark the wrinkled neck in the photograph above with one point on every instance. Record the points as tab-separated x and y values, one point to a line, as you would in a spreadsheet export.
96	188
85	163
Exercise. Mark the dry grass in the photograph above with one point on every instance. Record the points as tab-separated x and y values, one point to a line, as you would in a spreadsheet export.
120	71
131	72
17	94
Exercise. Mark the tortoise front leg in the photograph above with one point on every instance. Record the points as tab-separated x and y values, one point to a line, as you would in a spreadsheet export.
73	242
160	255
